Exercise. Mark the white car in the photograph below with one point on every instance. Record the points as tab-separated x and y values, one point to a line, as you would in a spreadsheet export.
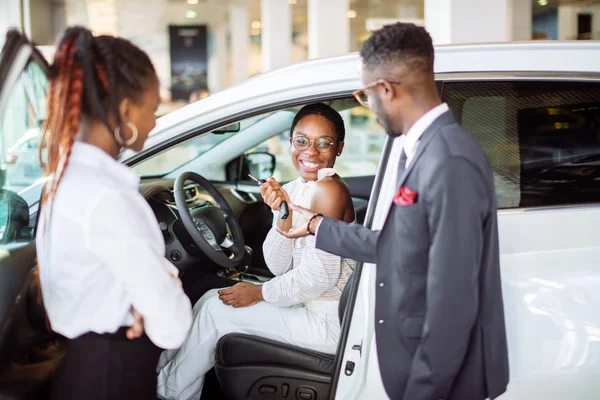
535	109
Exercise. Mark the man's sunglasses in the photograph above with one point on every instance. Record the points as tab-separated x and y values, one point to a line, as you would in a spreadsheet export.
361	95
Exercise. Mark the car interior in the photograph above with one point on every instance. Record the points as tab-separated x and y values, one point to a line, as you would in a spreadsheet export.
213	233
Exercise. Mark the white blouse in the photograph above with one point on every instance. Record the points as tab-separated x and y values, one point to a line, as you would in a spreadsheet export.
302	272
102	252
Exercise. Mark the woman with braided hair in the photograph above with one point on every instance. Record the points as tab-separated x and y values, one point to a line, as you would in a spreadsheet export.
102	269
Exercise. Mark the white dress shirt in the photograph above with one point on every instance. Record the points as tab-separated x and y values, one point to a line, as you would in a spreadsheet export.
303	273
102	252
409	144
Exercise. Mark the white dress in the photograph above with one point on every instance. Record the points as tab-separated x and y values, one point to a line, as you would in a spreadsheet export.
300	306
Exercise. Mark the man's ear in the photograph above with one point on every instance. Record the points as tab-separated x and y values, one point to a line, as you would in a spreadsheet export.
387	91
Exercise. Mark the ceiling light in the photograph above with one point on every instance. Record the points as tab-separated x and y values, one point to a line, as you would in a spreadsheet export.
255	25
190	14
292	2
351	14
192	1
543	3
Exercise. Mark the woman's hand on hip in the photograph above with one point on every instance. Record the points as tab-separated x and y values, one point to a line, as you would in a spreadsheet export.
137	329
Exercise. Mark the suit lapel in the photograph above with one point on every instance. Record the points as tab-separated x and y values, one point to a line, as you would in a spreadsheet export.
443	120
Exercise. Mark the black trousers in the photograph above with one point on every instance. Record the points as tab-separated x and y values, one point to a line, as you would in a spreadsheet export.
107	367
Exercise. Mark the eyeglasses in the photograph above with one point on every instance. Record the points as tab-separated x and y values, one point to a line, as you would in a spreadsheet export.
323	145
361	95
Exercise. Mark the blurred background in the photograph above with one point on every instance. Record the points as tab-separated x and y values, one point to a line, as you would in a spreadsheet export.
200	47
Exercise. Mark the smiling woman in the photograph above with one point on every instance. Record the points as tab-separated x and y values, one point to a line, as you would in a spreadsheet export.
300	304
316	131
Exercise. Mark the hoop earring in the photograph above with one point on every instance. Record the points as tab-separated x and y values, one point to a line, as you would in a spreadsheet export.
131	140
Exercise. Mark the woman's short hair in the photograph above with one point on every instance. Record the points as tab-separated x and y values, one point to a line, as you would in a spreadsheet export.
326	112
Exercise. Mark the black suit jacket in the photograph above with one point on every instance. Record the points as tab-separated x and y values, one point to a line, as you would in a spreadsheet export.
439	315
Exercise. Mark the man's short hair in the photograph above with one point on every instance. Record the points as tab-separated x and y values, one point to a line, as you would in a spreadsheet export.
400	44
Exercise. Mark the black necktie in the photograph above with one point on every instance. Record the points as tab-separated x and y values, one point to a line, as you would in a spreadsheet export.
401	166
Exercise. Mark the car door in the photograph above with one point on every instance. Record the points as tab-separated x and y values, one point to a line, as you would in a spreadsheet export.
23	83
541	135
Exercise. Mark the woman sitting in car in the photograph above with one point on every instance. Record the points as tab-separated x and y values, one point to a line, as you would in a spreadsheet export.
298	306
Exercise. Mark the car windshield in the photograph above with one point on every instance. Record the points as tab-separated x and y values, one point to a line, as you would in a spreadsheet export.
184	153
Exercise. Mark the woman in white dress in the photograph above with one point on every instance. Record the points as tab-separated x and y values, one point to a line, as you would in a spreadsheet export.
298	306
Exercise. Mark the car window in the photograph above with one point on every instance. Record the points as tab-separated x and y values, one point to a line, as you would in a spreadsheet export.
20	128
182	154
362	146
542	138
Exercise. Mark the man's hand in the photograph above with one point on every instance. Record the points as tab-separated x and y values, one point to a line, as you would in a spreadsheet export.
241	295
137	329
301	231
273	194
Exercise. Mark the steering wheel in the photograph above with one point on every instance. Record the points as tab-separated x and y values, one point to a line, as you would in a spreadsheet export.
208	225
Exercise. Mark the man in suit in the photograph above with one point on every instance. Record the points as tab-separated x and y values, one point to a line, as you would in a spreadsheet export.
439	316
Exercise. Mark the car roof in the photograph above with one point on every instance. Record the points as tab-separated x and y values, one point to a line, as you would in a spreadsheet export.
539	56
342	73
543	56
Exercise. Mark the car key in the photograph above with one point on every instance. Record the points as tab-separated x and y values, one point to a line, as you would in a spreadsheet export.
283	208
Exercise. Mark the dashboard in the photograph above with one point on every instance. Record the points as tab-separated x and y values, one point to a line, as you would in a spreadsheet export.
254	216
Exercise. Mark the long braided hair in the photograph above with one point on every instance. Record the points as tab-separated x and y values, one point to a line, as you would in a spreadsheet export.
89	78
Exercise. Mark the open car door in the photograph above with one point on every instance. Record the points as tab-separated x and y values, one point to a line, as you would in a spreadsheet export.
28	353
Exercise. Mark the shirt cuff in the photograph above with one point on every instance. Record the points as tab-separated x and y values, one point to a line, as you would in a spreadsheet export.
266	292
318	225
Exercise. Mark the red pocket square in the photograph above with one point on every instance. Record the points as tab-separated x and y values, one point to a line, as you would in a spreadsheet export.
405	196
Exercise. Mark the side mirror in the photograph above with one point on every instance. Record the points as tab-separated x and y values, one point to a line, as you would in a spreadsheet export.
261	165
14	217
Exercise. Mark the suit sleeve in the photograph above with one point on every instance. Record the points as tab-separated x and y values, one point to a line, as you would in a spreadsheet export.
458	201
352	241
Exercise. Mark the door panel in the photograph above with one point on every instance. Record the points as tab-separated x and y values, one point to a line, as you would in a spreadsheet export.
29	354
16	263
543	143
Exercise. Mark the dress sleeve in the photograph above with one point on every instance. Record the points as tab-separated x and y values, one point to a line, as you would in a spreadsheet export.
316	273
277	249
